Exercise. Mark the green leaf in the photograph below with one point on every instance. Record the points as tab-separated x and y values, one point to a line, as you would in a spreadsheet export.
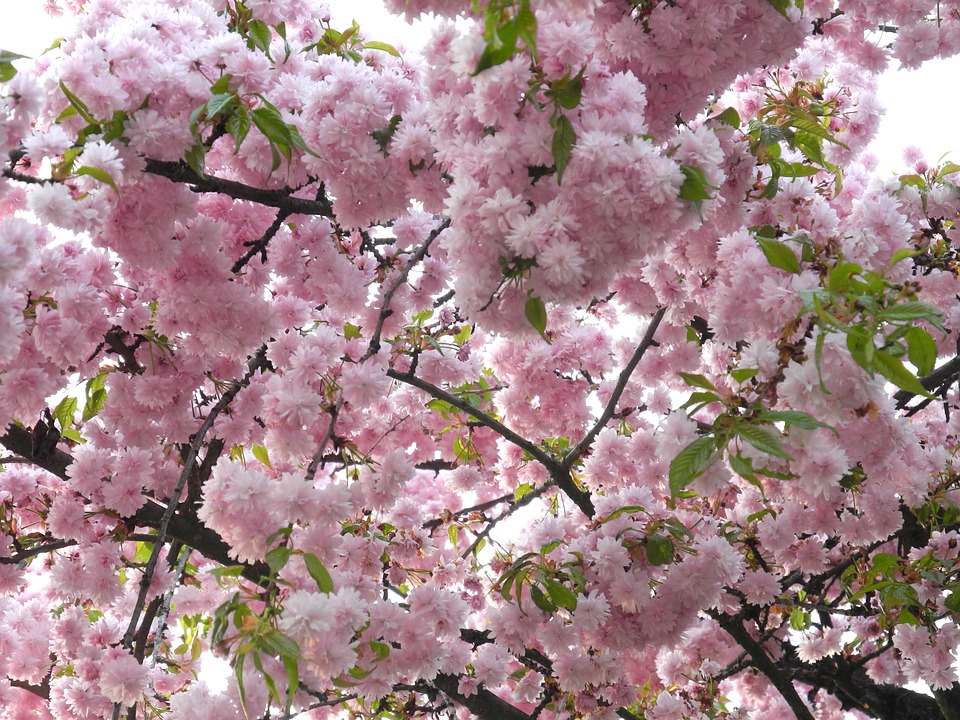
194	157
381	46
318	572
536	314
260	453
71	434
561	595
78	104
351	331
741	375
97	174
568	91
7	70
912	310
952	601
702	399
238	674
729	117
810	124
744	468
258	33
894	371
766	134
796	169
293	678
222	85
526	23
281	644
948	168
65	410
278	557
8	56
564	138
220	103
541	600
660	550
780	6
799	619
902	254
840	274
922	350
697	380
96	399
383	136
779	255
793	417
501	45
690	462
763	440
269	121
694	187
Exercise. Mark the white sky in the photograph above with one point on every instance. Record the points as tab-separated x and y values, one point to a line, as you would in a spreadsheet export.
921	108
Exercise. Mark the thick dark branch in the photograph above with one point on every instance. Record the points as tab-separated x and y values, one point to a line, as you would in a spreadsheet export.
483	704
180	172
851	685
581	447
41	691
19	441
385	309
318	455
40	549
254	364
481	417
940	378
260	245
760	660
186	529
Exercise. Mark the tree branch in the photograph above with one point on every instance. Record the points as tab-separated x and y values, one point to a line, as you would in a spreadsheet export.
260	245
255	363
483	704
481	417
942	376
851	685
385	310
760	660
581	447
180	172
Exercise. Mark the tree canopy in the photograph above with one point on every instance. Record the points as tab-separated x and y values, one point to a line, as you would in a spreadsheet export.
578	365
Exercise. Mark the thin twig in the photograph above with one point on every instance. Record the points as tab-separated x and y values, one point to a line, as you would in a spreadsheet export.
480	507
498	427
37	550
165	605
525	500
385	309
260	245
318	455
581	447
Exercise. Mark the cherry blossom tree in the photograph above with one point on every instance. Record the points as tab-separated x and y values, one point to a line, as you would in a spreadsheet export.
578	366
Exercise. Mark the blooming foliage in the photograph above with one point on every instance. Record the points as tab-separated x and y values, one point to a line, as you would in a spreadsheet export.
576	366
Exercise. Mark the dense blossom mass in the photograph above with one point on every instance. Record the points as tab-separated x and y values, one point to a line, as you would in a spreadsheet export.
578	365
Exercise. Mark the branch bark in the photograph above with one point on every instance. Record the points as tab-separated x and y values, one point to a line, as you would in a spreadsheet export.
780	679
483	704
282	199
